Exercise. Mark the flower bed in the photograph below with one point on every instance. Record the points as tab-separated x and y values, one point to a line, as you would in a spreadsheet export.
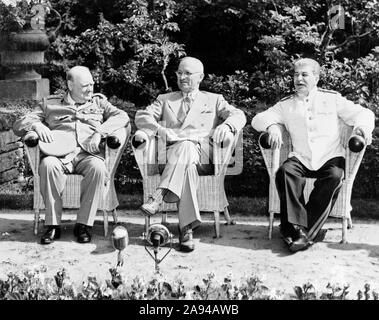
32	284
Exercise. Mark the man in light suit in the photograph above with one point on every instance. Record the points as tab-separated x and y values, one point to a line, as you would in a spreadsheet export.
86	118
312	117
189	121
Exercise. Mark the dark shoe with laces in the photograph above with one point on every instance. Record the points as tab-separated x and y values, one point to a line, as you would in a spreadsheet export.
52	233
82	232
289	234
302	242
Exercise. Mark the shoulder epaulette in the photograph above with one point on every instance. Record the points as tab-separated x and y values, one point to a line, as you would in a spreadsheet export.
100	95
286	98
54	96
327	90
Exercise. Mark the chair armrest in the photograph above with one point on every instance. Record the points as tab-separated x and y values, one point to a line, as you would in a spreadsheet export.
144	150
31	139
356	143
114	147
354	156
139	140
263	140
32	151
274	157
223	155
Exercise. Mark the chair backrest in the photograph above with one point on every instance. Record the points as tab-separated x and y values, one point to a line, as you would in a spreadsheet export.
287	143
274	158
228	160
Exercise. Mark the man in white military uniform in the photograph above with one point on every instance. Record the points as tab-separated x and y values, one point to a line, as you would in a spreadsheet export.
189	121
86	118
312	117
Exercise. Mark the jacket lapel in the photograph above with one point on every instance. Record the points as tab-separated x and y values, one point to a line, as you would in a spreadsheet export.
198	105
174	103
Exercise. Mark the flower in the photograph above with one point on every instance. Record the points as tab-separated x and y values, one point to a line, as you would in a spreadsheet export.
15	15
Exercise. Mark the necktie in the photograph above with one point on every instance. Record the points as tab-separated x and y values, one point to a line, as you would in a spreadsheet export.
184	108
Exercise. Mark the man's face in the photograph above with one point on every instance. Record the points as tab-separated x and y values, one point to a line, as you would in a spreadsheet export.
304	79
189	76
81	87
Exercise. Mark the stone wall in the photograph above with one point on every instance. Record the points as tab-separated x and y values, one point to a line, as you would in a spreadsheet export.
12	162
11	148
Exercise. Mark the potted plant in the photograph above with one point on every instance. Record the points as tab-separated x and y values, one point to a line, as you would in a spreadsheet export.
23	37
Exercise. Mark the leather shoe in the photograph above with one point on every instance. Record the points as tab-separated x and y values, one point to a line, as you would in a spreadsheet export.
289	234
186	243
150	208
81	231
52	233
302	243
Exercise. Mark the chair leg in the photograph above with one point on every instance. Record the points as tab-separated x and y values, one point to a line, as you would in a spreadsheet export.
217	223
344	230
271	224
229	221
349	223
36	221
164	219
115	218
105	214
147	224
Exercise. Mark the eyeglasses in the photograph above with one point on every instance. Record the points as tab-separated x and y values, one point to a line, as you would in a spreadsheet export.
186	73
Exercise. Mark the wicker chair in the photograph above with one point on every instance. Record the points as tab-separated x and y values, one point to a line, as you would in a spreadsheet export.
210	194
71	194
273	158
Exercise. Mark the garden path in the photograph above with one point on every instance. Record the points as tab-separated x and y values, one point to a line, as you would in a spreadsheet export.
242	251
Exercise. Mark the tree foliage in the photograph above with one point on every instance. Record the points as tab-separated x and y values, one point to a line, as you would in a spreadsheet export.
247	46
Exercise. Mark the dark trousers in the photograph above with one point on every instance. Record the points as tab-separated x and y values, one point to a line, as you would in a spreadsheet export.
290	183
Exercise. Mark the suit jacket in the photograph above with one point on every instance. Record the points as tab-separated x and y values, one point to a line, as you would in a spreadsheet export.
61	113
314	124
207	111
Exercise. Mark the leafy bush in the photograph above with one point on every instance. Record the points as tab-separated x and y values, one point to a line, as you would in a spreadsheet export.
33	284
247	47
128	53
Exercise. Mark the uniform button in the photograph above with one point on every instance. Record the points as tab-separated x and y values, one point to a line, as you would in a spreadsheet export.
310	118
311	141
312	129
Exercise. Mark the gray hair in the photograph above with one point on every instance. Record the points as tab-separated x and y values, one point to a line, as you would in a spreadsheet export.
195	61
308	62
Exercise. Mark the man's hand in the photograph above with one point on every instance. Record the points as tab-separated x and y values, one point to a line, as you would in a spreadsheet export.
43	132
94	143
365	133
274	136
139	138
221	132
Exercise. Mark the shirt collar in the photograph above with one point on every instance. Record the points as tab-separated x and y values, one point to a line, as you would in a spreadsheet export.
310	95
192	95
68	99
